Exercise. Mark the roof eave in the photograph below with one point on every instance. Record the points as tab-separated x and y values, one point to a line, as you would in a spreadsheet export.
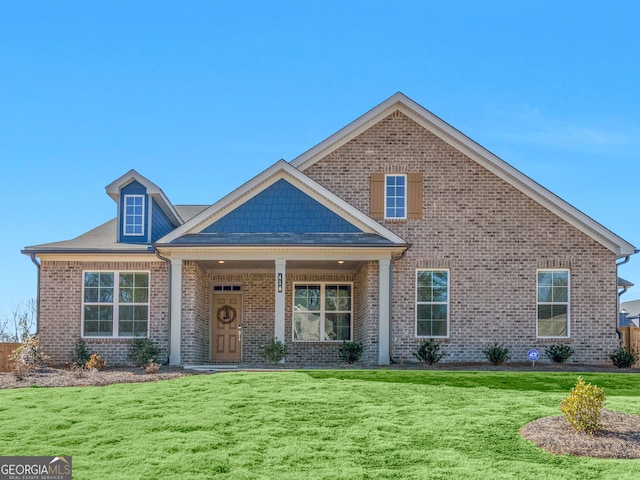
86	251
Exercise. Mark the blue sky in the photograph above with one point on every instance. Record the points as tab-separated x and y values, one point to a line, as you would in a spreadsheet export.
200	96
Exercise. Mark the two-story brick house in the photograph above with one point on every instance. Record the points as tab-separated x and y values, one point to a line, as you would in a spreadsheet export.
395	229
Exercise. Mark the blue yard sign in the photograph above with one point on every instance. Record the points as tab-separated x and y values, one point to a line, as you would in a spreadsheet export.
533	355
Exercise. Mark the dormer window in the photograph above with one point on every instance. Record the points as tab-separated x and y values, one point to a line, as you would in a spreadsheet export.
134	215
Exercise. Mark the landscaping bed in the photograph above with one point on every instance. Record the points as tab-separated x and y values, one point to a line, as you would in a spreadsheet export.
61	377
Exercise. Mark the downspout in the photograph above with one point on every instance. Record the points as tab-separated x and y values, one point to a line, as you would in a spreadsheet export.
168	262
35	262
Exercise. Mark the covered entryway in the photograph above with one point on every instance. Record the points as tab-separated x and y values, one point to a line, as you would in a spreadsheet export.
226	321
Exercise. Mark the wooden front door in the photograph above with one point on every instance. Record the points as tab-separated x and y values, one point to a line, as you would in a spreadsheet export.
225	327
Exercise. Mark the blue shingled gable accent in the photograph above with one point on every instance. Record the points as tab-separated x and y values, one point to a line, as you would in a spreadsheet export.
161	225
281	208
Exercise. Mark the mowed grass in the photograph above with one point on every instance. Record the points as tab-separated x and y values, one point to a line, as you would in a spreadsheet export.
352	424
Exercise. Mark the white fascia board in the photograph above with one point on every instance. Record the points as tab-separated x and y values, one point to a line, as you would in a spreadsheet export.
473	150
279	170
97	257
113	190
290	253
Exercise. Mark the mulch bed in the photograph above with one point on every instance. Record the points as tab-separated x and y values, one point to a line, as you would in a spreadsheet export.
59	377
619	436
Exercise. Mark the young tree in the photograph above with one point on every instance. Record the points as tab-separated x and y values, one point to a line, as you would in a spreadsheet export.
21	323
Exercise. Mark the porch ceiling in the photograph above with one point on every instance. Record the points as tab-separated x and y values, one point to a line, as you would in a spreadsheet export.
229	266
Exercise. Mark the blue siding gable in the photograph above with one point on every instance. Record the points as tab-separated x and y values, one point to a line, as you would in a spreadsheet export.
281	208
134	188
160	224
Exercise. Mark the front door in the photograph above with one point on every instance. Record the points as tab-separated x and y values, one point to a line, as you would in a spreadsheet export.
225	327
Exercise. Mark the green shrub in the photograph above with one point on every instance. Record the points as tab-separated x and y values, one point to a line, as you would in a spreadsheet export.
141	351
274	350
80	355
624	357
583	406
559	353
497	353
428	351
350	352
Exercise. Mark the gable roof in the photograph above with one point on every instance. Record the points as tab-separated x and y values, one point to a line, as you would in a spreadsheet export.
155	192
357	228
459	141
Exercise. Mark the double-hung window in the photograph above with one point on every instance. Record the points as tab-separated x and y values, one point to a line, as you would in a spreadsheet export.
134	215
553	303
115	304
432	303
322	312
395	198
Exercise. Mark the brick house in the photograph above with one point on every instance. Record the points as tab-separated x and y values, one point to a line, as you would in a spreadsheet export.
395	229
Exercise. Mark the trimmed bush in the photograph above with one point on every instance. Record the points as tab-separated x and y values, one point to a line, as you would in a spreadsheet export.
497	353
559	353
429	351
80	355
624	357
274	350
141	351
350	352
583	407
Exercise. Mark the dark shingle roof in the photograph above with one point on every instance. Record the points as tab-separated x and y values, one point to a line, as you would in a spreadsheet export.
359	239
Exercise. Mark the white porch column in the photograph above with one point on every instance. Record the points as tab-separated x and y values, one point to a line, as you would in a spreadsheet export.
279	291
175	329
383	311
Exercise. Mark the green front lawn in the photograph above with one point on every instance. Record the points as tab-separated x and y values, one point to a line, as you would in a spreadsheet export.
349	424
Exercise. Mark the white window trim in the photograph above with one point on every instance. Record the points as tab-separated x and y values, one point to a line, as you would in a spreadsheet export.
447	303
322	312
406	194
567	303
124	216
116	303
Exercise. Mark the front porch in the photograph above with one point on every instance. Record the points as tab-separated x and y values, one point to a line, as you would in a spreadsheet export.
224	310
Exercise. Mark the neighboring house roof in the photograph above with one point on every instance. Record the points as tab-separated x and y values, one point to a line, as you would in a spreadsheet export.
104	238
482	156
340	223
624	320
632	308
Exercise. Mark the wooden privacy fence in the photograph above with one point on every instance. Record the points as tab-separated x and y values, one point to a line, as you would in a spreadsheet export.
631	338
5	351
